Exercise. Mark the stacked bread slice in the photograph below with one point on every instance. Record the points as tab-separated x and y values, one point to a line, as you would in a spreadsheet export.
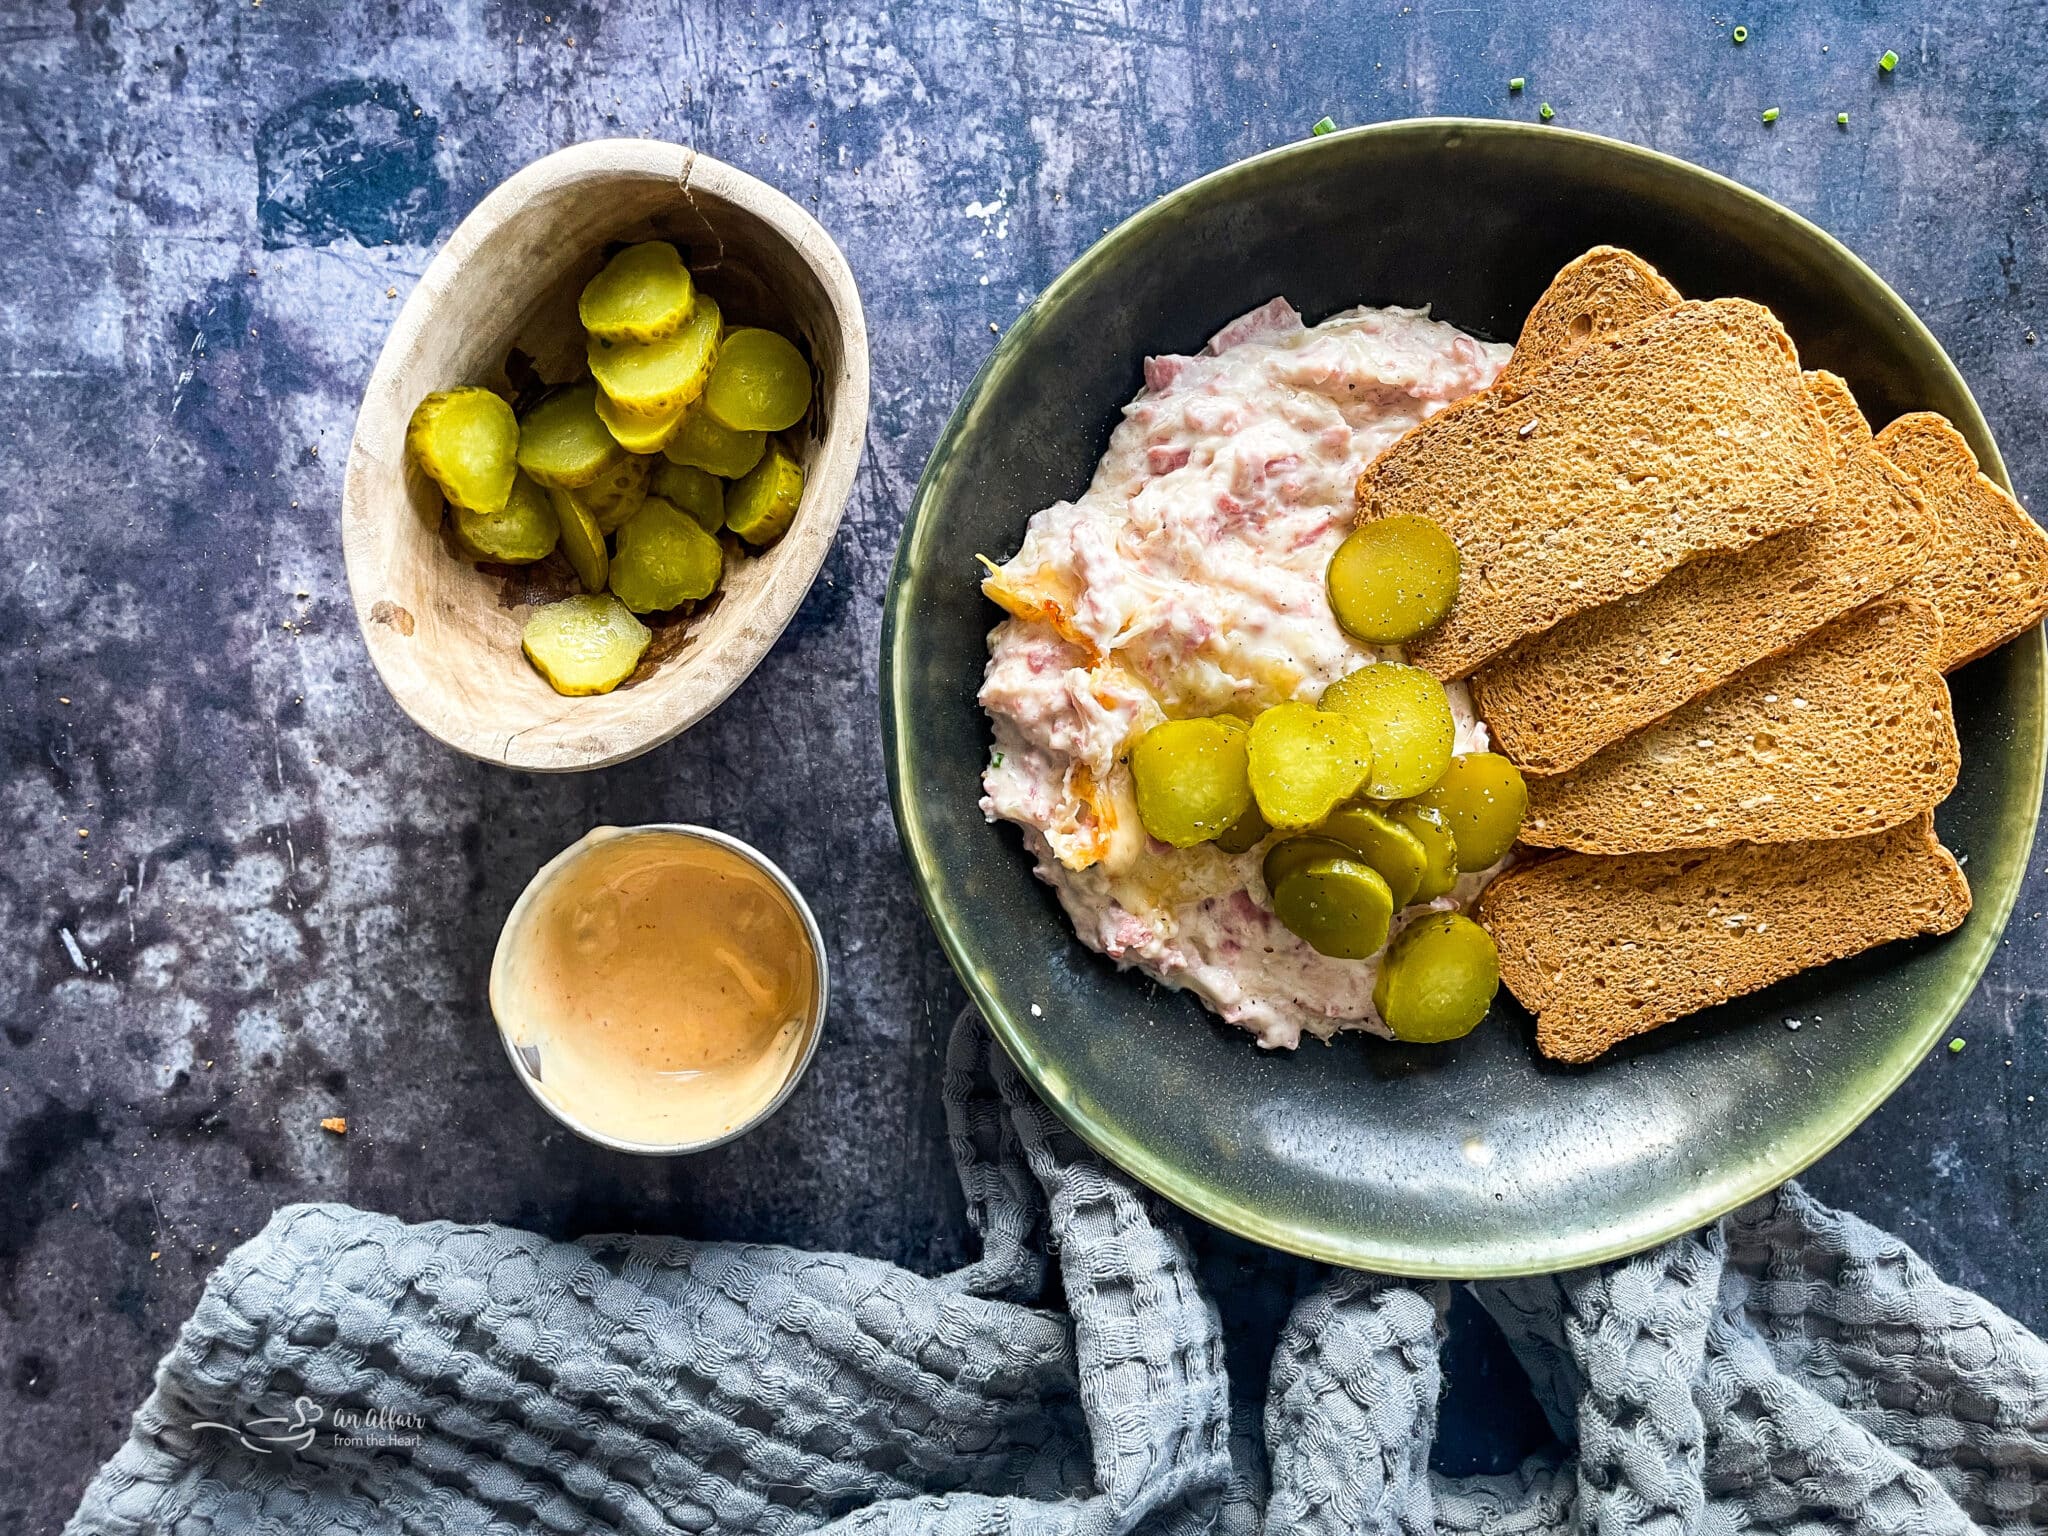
1707	613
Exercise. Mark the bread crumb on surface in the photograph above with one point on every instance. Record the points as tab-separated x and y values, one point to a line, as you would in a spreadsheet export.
335	1123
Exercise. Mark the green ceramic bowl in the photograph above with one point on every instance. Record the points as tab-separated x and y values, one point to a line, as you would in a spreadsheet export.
1478	1158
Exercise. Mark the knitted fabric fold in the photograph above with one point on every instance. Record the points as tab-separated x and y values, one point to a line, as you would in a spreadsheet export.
1790	1369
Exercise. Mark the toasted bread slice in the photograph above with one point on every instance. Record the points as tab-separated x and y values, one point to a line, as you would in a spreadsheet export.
1602	292
1846	734
1685	433
1555	699
1990	574
1603	948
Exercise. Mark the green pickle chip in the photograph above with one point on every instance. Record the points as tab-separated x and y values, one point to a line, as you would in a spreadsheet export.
659	378
1482	800
1338	907
1426	824
1191	780
1408	715
1392	849
762	503
638	434
616	494
1305	762
696	491
1249	830
761	382
1438	979
1292	853
563	444
586	644
524	530
582	539
643	294
703	443
1392	579
467	440
664	557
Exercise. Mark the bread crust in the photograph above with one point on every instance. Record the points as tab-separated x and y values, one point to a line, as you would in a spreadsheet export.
1555	699
1849	732
1600	949
1683	434
1989	578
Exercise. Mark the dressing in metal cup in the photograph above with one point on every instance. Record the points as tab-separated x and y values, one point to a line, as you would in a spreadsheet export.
660	989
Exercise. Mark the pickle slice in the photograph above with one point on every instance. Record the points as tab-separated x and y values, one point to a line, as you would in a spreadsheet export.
562	444
1250	829
658	378
643	294
1338	907
1408	715
1192	780
1393	578
761	383
586	644
1426	824
704	443
638	434
522	531
615	495
698	492
467	440
1438	979
1482	800
762	503
1305	762
664	558
1382	842
1292	853
582	539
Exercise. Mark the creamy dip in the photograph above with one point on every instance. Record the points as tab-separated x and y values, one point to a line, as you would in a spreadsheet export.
659	987
1189	579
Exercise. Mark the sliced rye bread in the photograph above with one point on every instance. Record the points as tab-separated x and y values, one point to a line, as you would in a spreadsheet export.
1847	733
1602	292
1989	577
1683	434
1555	699
1600	949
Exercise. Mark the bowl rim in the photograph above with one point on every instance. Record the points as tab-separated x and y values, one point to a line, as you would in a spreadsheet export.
1980	939
681	831
827	489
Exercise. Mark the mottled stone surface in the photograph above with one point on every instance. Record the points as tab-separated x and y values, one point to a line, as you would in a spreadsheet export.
243	893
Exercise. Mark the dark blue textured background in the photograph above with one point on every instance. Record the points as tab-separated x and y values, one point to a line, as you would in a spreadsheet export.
285	896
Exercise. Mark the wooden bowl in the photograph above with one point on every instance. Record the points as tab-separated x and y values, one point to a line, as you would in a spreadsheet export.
443	633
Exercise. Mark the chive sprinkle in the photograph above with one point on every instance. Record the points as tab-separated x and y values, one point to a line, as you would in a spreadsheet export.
1841	119
1517	83
1889	62
1740	34
1545	113
1324	125
1955	1046
1770	114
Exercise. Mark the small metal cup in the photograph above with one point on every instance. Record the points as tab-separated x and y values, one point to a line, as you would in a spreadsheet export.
525	1062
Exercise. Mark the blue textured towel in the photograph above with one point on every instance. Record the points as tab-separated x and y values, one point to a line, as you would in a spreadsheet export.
1789	1370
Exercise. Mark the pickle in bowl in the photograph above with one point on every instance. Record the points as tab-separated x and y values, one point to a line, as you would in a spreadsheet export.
522	531
585	644
664	557
626	474
657	378
643	294
467	440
